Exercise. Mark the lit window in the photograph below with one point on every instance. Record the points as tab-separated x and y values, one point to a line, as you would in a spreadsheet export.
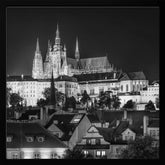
85	152
103	153
98	153
37	155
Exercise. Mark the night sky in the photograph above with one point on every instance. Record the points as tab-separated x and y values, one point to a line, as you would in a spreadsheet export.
129	36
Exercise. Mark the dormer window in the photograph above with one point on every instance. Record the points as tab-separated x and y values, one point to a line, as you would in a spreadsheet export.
40	139
29	138
9	138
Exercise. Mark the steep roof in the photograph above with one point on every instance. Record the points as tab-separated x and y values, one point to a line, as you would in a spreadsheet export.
93	118
19	78
27	113
65	122
89	63
19	131
97	76
137	75
154	123
135	116
66	78
133	76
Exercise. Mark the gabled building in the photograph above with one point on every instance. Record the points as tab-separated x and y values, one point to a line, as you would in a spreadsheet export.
93	143
29	140
69	128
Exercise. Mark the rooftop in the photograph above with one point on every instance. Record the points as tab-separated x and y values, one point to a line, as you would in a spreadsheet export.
19	131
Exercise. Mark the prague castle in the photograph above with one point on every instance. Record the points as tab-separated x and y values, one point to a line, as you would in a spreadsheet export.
73	75
57	61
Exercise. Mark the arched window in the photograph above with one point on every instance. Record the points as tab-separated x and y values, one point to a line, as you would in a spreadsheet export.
121	87
127	88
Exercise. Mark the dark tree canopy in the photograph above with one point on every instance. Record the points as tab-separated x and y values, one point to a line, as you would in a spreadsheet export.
116	102
130	104
70	103
85	97
141	148
105	99
15	99
150	106
60	97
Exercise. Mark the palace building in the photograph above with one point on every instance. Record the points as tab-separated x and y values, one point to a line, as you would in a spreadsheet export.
73	75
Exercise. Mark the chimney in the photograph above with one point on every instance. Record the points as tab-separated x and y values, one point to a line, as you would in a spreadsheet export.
145	124
125	115
114	75
41	113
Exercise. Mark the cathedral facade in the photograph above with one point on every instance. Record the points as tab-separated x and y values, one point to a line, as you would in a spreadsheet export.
56	61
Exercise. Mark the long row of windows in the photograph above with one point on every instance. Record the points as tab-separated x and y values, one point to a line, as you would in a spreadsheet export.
36	155
98	153
93	141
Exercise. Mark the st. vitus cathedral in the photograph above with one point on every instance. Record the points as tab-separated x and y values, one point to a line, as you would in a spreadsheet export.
57	61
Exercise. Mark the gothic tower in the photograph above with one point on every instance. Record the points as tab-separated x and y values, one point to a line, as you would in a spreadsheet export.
47	63
37	70
56	55
77	54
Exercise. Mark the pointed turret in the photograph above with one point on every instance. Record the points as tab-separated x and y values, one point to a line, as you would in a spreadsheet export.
37	70
77	54
57	32
37	47
52	92
57	39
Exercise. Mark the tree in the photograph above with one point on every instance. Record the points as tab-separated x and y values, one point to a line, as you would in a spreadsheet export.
130	104
150	106
105	99
60	97
70	103
157	102
116	102
15	99
141	148
42	102
85	97
76	154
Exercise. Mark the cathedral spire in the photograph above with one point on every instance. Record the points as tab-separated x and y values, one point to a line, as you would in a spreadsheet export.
57	32
37	46
57	39
77	54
